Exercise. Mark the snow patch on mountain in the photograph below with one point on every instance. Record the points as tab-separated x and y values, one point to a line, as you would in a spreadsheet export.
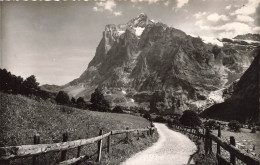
139	31
212	40
216	96
120	32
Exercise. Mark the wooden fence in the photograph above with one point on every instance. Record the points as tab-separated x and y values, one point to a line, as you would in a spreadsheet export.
13	152
208	137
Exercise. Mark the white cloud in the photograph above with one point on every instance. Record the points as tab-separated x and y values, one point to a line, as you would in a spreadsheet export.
215	17
107	5
181	3
228	7
199	14
97	9
229	34
244	18
234	27
201	25
117	13
149	1
166	3
247	9
256	29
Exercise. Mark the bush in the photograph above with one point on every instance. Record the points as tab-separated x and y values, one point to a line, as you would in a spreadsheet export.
160	119
117	109
211	124
62	98
147	116
234	125
190	118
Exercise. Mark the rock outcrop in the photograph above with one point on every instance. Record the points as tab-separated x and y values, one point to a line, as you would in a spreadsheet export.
244	103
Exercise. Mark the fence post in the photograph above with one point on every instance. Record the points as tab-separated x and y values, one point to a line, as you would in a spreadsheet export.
203	132
109	143
99	146
232	156
78	153
208	142
138	135
36	140
63	153
127	134
219	135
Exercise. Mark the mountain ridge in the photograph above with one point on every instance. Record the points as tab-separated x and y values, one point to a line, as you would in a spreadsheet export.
160	58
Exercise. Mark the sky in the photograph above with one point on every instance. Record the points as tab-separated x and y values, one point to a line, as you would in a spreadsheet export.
55	41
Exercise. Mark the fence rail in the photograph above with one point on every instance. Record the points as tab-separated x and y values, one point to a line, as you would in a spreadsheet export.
14	152
208	137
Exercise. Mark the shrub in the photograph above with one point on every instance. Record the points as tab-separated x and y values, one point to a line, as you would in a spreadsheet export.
211	124
147	116
62	98
73	101
117	109
190	118
160	119
81	102
234	125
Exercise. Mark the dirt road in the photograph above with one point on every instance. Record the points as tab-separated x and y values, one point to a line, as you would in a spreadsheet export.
172	148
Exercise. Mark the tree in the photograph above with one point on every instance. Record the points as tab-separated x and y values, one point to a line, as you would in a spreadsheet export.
81	102
147	116
62	98
190	118
117	109
31	83
73	101
99	102
234	125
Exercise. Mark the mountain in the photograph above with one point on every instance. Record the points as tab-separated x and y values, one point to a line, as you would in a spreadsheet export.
50	88
248	36
244	104
143	58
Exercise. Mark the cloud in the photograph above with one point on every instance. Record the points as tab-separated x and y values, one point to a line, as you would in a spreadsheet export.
199	14
256	29
234	27
228	7
244	18
247	9
181	3
107	5
215	17
166	3
149	1
117	13
201	25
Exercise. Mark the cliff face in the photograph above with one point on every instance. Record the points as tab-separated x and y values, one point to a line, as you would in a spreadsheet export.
244	103
147	56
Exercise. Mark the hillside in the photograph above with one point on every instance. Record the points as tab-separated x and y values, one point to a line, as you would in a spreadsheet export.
248	36
244	103
21	118
144	56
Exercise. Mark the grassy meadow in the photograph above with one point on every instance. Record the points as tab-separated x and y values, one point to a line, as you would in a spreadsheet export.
21	118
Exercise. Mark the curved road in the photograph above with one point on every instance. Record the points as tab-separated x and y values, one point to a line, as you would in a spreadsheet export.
172	148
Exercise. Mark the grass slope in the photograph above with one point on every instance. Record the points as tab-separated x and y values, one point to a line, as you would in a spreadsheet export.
21	118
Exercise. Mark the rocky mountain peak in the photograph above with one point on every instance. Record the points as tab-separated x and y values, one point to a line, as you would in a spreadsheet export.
146	56
139	21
